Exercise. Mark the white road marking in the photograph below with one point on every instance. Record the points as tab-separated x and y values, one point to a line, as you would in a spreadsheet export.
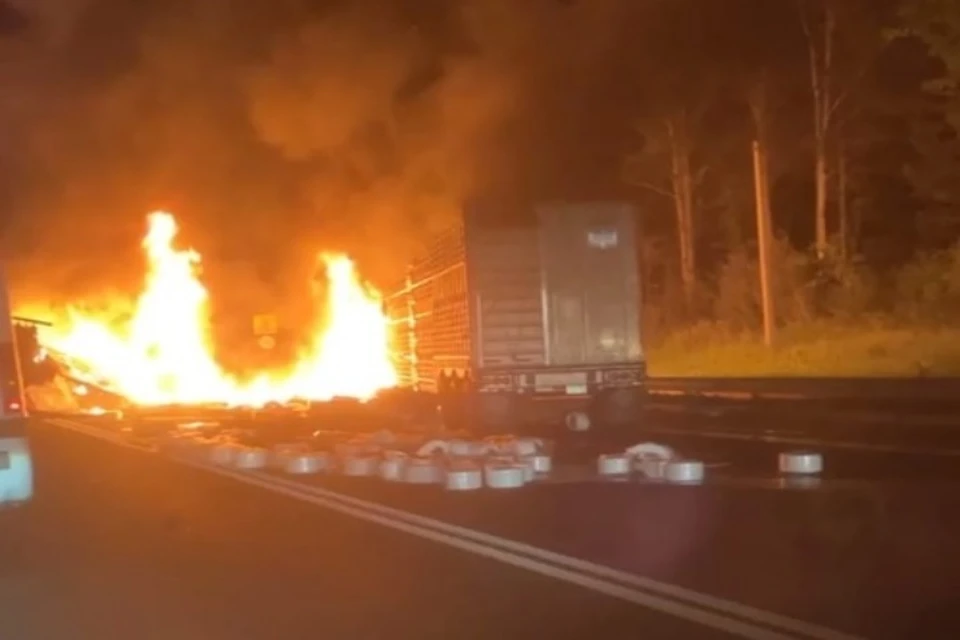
724	615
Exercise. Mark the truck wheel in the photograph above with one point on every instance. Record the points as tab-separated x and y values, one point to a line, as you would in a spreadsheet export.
617	408
494	412
577	421
455	411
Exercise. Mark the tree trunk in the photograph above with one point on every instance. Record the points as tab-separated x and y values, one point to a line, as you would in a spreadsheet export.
682	179
821	184
843	204
820	51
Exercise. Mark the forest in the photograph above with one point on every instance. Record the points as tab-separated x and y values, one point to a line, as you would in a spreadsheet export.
274	129
853	106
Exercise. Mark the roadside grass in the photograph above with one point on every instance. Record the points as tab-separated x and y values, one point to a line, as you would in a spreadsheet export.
828	349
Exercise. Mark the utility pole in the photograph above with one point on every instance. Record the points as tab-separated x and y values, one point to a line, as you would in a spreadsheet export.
761	186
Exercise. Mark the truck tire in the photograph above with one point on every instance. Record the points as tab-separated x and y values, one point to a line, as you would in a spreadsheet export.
619	408
492	413
455	411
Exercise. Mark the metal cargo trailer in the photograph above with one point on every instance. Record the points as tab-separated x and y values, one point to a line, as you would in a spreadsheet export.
526	318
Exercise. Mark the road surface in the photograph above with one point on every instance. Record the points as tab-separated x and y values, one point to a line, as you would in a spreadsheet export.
120	544
124	543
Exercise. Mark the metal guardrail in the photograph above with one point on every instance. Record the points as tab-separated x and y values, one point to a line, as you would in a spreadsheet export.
880	390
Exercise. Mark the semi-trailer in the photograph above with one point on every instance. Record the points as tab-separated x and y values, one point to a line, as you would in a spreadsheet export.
525	314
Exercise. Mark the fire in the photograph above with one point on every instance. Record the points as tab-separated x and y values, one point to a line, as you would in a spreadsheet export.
163	353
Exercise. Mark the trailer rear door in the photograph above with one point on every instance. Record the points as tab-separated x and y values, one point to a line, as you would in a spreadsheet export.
590	280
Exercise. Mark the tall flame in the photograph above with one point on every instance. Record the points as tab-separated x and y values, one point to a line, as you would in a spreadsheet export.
164	355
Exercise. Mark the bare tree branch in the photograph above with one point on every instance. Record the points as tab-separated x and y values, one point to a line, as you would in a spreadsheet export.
649	186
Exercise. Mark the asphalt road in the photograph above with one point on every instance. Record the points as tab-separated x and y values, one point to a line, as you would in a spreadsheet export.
120	544
129	544
865	424
855	449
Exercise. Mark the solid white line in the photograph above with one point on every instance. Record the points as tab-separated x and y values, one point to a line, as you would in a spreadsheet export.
700	599
599	585
590	575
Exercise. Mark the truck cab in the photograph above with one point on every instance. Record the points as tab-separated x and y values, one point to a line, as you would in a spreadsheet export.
16	466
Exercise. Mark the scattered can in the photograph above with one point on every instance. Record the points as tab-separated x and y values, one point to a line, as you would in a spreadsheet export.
615	465
422	471
223	454
393	465
684	472
307	463
250	458
541	463
360	466
504	475
801	463
465	478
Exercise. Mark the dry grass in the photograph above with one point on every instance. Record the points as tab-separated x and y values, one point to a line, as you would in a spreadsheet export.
818	349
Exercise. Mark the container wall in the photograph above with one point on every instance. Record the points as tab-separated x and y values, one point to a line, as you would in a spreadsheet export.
428	312
505	301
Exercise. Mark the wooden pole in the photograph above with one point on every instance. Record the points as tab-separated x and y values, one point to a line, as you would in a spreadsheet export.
761	187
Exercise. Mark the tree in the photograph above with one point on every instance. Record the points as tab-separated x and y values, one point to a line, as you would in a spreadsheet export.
820	44
937	23
909	151
672	137
843	40
682	84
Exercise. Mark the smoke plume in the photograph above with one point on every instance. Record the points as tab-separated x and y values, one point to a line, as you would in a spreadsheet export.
275	130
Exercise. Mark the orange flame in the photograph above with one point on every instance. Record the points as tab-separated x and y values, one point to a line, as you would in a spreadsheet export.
163	354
